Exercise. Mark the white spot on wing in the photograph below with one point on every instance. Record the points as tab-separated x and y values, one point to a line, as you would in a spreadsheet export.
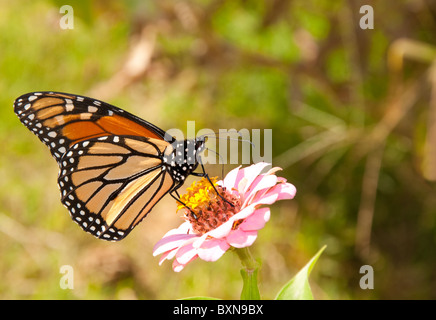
92	109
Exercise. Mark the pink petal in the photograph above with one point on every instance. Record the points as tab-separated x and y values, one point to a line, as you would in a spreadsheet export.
256	221
250	174
199	241
221	231
280	191
229	180
177	266
212	249
262	182
273	170
184	228
224	229
242	185
172	242
241	239
244	213
287	191
185	254
233	178
165	256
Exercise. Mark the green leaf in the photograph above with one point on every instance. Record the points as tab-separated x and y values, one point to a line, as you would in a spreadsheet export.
250	291
199	298
298	287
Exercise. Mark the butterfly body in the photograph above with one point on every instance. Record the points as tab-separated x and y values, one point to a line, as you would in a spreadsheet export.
182	160
113	166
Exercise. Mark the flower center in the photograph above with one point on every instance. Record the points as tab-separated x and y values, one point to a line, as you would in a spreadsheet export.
207	210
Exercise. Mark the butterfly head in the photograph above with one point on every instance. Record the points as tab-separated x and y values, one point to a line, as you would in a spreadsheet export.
200	143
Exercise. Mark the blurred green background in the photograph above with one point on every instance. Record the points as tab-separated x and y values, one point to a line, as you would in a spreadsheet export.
353	116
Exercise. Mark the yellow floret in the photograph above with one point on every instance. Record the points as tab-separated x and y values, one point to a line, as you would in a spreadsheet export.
198	193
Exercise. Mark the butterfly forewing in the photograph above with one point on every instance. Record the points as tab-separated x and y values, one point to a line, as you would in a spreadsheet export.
60	120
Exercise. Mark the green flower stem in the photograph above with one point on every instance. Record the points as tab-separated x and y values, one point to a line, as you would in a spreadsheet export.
250	290
247	259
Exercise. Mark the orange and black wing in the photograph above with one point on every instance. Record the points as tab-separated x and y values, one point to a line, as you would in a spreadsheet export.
60	120
110	183
111	162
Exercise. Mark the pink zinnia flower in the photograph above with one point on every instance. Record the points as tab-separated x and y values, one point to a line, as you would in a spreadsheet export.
216	225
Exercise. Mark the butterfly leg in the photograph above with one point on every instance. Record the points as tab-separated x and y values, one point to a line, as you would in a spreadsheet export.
177	198
205	175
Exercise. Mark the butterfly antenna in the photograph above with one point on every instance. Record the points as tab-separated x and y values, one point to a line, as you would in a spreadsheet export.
221	159
216	136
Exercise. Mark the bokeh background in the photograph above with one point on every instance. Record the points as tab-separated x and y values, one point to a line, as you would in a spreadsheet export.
353	116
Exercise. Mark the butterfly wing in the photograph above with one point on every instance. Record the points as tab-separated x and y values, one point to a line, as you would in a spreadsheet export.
111	169
109	184
60	120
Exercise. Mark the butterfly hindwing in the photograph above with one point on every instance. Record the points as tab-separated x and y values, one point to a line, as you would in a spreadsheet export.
110	183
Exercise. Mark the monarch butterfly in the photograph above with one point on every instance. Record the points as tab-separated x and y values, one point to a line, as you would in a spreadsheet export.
113	166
